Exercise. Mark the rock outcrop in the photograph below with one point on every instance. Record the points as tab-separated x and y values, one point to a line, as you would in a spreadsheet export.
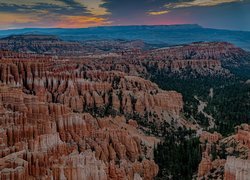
52	45
87	117
237	169
243	134
63	119
207	165
226	158
225	52
206	137
132	58
209	144
42	140
99	91
40	44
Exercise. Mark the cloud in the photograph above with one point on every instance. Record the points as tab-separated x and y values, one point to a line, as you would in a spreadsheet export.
80	21
32	2
70	7
52	13
158	12
15	20
55	7
12	18
199	3
83	13
94	7
176	4
127	9
132	11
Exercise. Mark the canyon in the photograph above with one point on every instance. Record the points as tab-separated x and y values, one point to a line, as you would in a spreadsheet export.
74	110
41	140
59	121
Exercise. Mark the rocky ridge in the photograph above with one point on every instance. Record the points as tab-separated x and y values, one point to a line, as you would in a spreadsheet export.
225	158
91	90
97	109
222	51
61	119
52	45
203	58
48	140
41	44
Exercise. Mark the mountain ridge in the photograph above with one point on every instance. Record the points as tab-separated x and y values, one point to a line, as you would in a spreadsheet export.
170	34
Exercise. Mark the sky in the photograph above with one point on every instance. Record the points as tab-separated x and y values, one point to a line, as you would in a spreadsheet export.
221	14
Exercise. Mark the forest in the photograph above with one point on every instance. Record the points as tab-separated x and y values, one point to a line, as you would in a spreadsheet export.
179	154
229	106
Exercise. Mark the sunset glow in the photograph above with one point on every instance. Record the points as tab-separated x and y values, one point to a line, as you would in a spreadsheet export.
87	13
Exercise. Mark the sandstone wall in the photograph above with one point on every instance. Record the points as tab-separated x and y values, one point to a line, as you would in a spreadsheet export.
41	140
237	169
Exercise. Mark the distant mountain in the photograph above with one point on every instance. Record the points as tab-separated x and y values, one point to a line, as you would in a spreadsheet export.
167	34
31	37
53	45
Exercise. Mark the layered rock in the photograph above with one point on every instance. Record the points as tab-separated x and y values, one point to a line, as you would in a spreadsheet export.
49	44
210	137
237	169
91	90
202	51
226	158
41	44
209	144
46	140
82	118
243	135
207	165
202	58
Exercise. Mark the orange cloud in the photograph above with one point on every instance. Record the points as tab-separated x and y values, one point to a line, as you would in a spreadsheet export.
30	13
80	21
158	12
10	20
14	20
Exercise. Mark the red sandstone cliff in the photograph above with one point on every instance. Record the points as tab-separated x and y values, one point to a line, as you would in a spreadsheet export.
202	58
199	51
69	83
47	130
237	150
46	140
54	121
237	169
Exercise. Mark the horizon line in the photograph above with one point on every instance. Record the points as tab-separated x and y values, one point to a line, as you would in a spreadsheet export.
194	24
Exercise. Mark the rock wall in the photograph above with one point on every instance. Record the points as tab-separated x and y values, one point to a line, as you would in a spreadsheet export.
207	163
85	117
65	119
243	135
203	58
237	169
227	157
200	51
210	137
83	90
41	140
41	44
